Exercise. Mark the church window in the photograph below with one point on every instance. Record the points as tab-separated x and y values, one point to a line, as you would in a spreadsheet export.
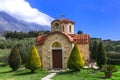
56	27
63	28
70	28
56	45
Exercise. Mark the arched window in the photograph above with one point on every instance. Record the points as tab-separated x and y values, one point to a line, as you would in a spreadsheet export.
63	28
56	25
70	28
56	45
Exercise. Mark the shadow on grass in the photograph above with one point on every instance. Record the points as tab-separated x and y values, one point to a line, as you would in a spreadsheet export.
23	74
6	72
102	78
67	72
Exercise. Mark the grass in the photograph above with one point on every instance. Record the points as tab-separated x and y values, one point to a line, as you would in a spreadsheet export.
21	74
86	74
4	52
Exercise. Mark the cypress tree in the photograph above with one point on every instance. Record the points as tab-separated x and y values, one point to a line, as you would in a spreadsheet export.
33	61
14	58
101	55
93	54
75	61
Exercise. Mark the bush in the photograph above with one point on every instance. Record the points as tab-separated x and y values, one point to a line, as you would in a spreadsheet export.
33	61
113	55
108	70
14	59
75	61
2	46
113	61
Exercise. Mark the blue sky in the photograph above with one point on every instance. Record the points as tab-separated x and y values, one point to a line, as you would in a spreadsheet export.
99	18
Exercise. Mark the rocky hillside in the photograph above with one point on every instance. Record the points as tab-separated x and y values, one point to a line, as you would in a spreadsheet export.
9	23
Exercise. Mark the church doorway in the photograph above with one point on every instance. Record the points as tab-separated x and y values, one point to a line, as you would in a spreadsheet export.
57	55
57	58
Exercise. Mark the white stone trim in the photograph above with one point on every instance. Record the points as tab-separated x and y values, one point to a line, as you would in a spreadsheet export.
51	60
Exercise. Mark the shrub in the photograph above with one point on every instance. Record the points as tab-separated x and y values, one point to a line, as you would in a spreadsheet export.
2	46
113	55
101	55
113	61
14	59
75	61
108	70
33	61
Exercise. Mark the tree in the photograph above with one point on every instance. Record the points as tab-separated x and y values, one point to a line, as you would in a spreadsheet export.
33	61
79	32
101	55
75	61
93	54
14	58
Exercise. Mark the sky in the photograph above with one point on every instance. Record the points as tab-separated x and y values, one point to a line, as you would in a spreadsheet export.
98	18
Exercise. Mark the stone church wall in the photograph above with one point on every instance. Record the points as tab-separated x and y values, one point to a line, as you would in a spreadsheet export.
84	48
45	50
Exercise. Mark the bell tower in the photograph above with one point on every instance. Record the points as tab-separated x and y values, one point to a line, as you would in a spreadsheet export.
63	25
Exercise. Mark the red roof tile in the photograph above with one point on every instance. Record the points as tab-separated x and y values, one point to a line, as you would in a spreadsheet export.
63	21
80	38
66	21
75	38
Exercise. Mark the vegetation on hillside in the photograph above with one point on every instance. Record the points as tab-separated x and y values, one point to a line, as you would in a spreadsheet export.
109	45
22	35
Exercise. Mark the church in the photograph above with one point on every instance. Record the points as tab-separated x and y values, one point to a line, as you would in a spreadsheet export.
55	48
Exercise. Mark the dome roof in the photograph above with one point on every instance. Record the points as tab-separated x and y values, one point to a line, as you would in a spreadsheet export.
66	21
63	21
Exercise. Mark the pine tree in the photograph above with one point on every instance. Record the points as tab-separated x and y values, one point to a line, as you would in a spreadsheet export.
14	58
75	61
101	55
33	61
93	54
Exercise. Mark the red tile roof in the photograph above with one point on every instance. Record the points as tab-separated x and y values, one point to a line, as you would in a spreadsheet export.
74	38
81	38
66	21
63	21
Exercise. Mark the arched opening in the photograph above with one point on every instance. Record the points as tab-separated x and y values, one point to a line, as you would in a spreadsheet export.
57	55
70	28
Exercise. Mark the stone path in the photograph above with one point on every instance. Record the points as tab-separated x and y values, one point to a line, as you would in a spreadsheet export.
48	77
51	75
54	72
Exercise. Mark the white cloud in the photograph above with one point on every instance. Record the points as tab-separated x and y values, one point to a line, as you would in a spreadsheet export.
21	9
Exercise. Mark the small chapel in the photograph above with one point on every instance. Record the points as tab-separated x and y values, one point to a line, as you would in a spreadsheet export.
55	48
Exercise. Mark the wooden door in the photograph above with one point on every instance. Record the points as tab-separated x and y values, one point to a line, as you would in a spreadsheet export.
57	58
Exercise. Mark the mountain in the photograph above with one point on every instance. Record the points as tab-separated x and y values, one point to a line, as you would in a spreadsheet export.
9	23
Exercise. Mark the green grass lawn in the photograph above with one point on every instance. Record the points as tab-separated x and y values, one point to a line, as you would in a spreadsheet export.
4	52
85	74
22	74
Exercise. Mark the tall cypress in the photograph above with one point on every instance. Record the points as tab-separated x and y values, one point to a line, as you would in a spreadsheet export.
94	51
33	61
14	58
101	55
75	61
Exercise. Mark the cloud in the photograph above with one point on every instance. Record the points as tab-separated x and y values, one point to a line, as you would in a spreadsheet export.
21	9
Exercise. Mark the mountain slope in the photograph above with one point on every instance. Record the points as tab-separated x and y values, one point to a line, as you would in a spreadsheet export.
9	23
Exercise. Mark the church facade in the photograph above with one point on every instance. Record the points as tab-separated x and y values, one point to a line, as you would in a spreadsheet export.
55	48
